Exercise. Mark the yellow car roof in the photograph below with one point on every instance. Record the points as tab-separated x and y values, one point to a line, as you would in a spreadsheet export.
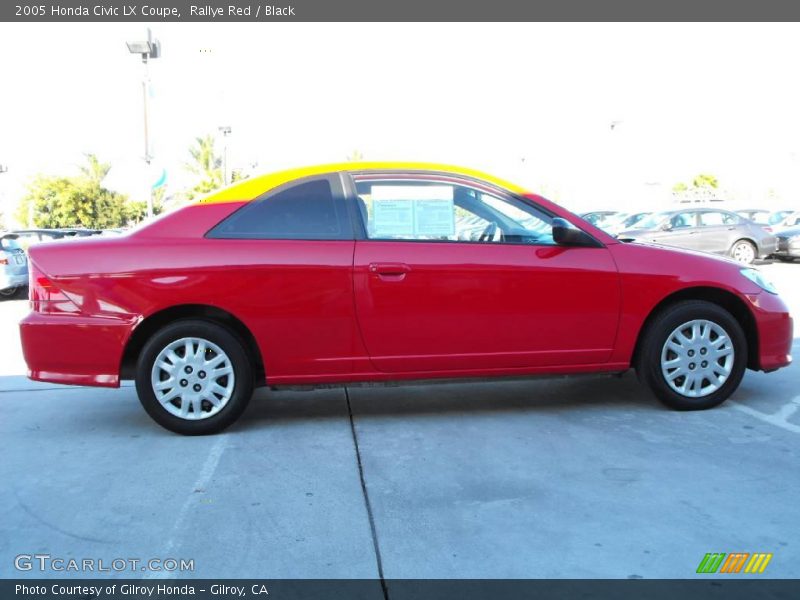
251	188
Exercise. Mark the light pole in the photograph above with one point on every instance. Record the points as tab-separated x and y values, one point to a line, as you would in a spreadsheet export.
147	49
225	130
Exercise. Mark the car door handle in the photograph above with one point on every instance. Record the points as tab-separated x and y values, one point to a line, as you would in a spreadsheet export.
389	271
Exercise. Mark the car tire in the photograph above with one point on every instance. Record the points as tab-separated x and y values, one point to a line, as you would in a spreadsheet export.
194	377
9	293
786	259
692	355
744	251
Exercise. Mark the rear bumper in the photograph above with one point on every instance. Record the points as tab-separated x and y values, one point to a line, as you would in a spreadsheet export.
8	280
775	331
767	247
74	350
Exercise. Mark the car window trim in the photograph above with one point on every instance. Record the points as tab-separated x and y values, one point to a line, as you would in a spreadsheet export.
436	176
427	177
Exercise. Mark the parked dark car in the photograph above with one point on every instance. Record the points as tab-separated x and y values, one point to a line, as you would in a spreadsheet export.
790	222
788	244
706	229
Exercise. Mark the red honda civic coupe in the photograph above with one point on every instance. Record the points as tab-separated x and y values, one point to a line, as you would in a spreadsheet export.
366	272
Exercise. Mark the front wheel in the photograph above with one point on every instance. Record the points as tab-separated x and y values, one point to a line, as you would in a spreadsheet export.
194	377
693	355
8	292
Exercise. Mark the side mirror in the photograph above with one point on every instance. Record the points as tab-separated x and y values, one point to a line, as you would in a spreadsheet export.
565	234
666	226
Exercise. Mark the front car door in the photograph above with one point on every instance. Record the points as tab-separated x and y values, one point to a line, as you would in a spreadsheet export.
454	275
681	232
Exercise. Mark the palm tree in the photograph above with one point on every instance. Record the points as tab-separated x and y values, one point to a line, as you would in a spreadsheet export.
94	170
206	164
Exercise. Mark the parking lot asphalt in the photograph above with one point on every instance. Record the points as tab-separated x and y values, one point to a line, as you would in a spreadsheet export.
580	477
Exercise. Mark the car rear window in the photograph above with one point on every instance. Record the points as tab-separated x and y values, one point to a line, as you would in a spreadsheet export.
305	211
9	244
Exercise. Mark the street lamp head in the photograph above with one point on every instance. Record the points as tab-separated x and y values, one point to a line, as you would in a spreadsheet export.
148	48
139	47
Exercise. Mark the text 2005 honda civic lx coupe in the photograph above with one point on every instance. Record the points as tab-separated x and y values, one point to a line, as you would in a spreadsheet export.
364	272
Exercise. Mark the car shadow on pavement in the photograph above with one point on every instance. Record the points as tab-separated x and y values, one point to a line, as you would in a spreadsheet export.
543	394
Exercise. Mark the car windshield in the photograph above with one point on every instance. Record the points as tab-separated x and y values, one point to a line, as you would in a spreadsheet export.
652	221
779	216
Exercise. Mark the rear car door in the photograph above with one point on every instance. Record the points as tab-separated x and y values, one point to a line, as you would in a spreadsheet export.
717	228
450	275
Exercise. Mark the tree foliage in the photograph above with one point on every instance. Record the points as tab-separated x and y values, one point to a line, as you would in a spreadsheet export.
702	186
80	201
206	164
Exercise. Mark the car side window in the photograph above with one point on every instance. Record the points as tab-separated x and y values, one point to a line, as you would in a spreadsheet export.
710	219
682	220
414	210
310	210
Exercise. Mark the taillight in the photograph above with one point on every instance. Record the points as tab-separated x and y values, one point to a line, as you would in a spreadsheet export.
45	297
3	261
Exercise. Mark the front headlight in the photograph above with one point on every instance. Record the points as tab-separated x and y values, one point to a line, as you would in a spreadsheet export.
758	278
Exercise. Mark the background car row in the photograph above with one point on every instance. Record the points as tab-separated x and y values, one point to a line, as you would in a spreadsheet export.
744	235
13	253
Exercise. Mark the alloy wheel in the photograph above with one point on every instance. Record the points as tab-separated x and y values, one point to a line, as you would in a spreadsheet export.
192	378
697	358
744	252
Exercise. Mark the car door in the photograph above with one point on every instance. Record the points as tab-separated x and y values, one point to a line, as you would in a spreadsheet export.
283	263
681	231
716	228
453	276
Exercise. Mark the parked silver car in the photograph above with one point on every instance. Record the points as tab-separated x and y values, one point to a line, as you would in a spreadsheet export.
13	266
788	244
706	229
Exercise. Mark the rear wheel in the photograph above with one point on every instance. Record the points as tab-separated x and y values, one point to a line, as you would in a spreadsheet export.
744	252
194	377
693	355
8	292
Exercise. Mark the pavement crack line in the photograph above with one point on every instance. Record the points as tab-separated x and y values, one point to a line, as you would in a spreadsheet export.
365	493
204	476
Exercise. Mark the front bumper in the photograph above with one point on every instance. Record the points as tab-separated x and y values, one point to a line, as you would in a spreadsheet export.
74	349
775	330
